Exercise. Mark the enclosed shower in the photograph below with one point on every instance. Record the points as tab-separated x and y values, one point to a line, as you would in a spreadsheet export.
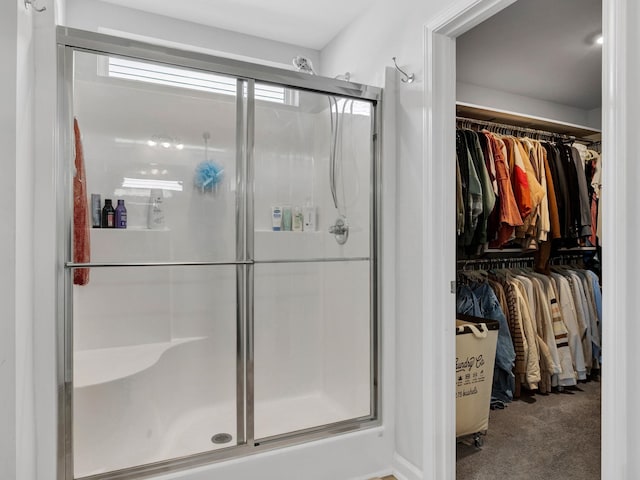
211	324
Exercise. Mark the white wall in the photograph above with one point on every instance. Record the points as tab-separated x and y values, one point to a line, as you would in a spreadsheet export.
94	15
8	130
45	246
25	295
488	97
17	430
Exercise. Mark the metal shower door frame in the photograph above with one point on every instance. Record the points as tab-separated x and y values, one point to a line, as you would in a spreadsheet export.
73	40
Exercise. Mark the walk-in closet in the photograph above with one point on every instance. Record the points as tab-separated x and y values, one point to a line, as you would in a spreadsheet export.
529	243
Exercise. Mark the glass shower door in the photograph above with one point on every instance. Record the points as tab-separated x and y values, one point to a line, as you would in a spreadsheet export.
312	313
155	318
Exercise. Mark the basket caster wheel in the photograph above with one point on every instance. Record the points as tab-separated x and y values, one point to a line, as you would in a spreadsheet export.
478	441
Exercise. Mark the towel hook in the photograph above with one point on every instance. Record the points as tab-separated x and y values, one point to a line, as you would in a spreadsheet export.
408	78
31	3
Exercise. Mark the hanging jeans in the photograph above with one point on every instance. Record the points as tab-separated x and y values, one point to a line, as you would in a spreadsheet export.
481	301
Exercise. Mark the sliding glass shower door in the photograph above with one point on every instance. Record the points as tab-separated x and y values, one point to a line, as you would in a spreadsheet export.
312	295
220	293
156	353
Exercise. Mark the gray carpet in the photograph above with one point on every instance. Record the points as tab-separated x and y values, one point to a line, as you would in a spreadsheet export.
539	437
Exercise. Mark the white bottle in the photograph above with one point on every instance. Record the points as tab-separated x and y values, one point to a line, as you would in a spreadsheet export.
276	218
155	220
309	212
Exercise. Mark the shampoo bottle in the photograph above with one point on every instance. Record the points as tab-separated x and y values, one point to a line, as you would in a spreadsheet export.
121	215
108	214
155	220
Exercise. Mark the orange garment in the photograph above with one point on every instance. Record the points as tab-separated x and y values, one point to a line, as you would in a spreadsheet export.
81	233
519	180
509	212
535	189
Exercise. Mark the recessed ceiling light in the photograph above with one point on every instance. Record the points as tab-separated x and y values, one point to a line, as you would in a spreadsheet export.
599	40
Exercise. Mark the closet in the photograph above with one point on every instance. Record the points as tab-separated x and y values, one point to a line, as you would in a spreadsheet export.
528	253
529	198
528	229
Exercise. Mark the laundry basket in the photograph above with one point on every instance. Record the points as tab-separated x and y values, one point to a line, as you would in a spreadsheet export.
476	340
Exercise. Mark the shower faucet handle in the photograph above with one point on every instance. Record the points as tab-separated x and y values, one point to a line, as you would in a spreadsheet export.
340	229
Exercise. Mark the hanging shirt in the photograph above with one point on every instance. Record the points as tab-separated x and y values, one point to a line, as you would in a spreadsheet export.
471	188
488	196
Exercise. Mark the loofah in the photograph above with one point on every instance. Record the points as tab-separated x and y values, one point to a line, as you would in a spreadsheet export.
208	175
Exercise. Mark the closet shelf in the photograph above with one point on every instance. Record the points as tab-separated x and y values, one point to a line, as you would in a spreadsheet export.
102	365
478	112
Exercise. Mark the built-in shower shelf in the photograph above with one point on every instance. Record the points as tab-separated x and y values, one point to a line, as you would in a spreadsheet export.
289	232
102	365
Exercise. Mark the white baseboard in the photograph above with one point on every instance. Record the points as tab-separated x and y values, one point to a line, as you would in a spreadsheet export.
403	469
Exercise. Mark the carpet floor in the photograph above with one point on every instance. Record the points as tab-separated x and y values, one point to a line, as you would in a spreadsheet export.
539	437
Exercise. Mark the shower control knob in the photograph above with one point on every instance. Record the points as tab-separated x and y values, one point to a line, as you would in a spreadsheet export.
340	229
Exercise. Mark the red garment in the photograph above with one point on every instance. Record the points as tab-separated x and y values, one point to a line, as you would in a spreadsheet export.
81	234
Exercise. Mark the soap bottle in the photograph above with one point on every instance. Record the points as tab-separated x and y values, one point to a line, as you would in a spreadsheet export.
121	215
309	213
155	220
297	219
286	218
108	214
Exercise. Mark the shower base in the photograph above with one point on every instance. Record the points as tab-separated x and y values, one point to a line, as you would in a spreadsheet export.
192	432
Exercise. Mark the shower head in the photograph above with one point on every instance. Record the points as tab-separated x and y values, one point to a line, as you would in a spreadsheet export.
303	64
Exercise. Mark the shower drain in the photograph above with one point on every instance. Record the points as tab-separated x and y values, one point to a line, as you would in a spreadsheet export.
221	438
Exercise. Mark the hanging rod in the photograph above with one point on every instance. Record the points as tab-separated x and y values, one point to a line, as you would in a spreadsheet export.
558	259
514	128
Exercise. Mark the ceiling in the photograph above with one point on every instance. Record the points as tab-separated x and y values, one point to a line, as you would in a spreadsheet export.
537	48
310	24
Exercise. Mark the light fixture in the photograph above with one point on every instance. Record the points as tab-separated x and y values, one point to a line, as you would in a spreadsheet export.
166	144
180	146
151	143
599	40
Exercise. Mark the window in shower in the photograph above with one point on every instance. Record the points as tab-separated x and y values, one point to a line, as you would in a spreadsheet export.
213	333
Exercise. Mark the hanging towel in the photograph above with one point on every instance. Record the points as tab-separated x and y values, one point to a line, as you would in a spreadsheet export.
81	235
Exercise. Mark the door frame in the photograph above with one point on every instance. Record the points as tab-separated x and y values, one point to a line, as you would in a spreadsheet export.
439	233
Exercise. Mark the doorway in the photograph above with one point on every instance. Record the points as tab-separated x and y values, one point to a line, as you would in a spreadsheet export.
440	99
